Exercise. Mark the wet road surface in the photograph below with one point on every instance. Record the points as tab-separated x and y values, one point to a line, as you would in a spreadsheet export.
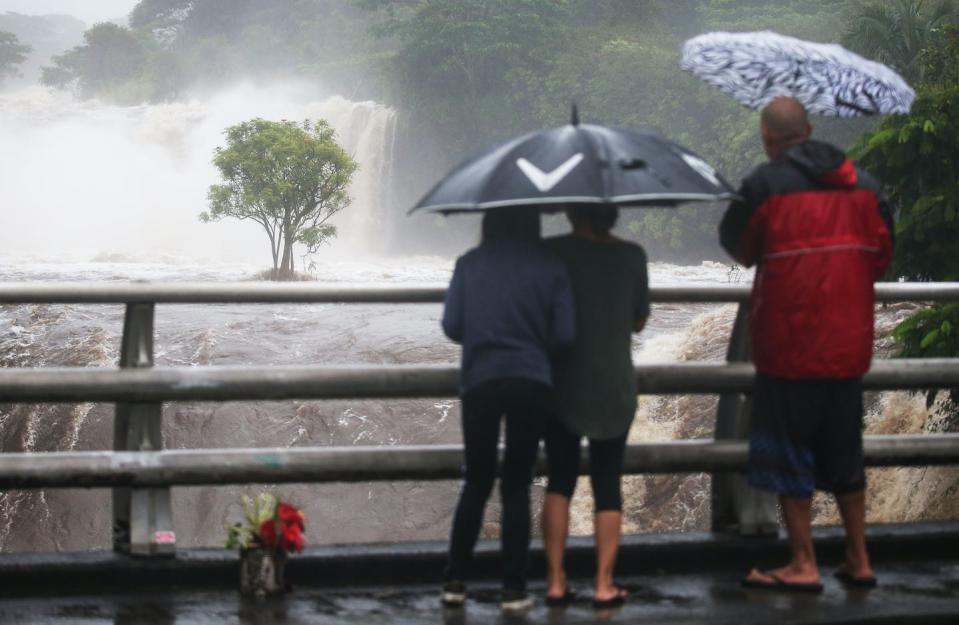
916	593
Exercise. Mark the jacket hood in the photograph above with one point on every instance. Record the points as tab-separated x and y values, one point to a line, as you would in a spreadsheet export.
824	163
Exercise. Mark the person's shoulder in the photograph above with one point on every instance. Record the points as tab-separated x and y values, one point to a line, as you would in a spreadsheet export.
764	171
631	249
469	256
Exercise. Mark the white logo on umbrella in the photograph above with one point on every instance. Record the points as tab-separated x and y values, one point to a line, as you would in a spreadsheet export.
702	168
546	181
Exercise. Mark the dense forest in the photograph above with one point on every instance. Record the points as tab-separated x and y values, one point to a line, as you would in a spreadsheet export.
467	73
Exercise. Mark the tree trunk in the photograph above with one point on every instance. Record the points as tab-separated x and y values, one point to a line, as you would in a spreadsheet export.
287	262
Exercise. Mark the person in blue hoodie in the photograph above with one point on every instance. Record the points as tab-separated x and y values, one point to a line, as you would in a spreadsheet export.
510	305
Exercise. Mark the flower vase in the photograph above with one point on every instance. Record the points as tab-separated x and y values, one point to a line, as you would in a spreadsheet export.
262	572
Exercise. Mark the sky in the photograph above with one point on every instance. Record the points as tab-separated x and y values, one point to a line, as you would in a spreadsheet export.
89	11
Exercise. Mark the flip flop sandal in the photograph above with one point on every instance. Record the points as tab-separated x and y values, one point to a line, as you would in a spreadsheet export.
612	602
848	580
780	585
561	602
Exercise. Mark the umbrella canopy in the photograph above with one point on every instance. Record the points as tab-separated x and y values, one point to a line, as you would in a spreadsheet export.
578	164
756	68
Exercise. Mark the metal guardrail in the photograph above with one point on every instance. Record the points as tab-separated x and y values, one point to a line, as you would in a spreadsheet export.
141	474
239	383
196	467
306	293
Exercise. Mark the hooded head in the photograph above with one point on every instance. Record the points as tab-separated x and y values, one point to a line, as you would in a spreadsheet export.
594	219
784	123
511	223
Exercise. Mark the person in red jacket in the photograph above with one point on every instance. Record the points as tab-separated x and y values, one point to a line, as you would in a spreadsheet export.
820	233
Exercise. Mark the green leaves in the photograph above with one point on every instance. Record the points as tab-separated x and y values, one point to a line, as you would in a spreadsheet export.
12	54
932	333
917	157
112	59
288	177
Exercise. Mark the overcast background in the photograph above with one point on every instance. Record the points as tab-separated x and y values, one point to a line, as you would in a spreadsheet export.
89	11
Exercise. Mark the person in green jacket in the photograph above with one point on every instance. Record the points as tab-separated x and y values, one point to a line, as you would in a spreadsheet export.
595	387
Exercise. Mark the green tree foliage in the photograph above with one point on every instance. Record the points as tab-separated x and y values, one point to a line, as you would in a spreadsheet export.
110	58
896	32
814	20
218	41
463	63
288	177
933	333
917	157
12	54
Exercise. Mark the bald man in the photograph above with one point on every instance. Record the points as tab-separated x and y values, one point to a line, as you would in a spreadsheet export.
819	232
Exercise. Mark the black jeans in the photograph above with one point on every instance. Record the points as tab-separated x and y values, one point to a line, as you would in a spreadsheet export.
525	405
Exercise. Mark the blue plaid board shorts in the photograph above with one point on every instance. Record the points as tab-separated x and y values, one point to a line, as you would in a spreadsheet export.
806	435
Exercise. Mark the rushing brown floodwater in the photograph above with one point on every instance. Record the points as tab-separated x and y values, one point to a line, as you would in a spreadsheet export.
195	335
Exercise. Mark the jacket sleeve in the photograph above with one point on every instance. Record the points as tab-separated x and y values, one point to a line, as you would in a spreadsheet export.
562	326
453	308
740	233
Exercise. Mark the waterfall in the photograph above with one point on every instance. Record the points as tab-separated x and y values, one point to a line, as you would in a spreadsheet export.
82	178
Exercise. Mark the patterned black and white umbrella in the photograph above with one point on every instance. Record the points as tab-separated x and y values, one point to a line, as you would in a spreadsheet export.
829	80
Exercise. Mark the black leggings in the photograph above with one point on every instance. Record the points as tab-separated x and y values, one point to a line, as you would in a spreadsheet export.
605	466
524	404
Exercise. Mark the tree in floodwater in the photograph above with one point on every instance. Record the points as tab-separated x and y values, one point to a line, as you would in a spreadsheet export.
12	54
288	177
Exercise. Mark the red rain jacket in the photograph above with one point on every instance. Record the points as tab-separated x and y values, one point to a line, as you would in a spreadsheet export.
820	232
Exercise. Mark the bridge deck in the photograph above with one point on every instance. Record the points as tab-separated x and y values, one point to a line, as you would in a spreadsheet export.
675	578
915	593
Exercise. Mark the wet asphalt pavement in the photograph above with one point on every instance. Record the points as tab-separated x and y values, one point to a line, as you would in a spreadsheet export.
917	593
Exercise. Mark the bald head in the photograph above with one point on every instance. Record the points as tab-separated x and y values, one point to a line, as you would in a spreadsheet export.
784	123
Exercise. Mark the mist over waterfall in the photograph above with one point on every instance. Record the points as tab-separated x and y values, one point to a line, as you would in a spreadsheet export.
82	179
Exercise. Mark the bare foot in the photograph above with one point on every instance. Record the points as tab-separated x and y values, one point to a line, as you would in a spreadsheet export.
857	565
857	571
556	585
787	574
608	592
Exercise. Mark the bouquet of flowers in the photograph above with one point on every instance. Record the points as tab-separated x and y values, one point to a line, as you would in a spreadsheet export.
270	524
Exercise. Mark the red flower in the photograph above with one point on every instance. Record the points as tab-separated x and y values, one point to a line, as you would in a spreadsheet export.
284	531
289	515
293	539
268	533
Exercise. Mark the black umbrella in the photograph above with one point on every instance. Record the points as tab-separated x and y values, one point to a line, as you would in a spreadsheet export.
578	164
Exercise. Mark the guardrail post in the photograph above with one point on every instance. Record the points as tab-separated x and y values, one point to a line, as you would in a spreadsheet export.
142	519
736	507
